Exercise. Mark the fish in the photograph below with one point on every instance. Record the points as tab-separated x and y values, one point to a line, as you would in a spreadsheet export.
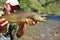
20	16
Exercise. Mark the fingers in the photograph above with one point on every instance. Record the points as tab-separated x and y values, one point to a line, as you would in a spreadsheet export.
31	22
3	22
27	20
37	22
3	19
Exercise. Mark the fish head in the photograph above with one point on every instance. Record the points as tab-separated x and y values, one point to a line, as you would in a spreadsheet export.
38	18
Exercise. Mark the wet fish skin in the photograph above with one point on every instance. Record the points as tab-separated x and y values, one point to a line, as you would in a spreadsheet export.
18	17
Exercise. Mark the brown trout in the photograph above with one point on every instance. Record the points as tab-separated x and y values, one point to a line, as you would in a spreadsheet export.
18	17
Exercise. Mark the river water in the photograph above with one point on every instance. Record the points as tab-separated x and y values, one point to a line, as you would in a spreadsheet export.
54	18
49	30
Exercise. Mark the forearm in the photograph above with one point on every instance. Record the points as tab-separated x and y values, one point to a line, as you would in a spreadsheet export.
22	29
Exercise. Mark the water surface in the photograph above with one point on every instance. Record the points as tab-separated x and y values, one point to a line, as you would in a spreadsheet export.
49	30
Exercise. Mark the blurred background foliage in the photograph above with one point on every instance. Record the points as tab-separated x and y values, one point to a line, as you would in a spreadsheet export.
40	6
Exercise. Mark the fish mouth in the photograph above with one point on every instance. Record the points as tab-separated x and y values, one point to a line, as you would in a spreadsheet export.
38	18
41	20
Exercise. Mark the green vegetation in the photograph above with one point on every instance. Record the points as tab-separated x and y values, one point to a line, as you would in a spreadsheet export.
2	2
40	6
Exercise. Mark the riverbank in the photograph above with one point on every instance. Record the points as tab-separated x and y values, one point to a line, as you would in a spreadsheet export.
43	31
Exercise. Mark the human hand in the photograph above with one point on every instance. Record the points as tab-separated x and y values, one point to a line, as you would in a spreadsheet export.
3	22
22	26
31	22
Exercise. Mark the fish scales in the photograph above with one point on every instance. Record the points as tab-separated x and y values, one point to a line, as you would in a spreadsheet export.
16	17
